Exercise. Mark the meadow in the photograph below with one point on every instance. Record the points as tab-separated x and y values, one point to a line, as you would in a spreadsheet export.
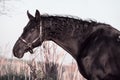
51	67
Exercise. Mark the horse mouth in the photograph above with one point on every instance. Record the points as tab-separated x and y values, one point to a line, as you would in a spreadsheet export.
18	55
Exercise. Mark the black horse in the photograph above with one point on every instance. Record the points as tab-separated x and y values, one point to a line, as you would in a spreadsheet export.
95	46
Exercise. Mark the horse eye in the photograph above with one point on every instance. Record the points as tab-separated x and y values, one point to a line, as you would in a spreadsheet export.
31	30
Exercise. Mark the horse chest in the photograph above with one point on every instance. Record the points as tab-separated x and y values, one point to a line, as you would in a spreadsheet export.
94	69
87	63
84	65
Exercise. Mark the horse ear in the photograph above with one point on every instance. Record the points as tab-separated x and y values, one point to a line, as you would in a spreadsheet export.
29	15
37	15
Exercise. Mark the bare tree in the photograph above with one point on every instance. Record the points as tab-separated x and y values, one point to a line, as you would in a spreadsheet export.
4	7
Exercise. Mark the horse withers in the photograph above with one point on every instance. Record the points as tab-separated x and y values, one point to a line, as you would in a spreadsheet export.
95	46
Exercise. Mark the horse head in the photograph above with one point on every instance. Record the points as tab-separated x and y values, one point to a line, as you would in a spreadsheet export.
31	36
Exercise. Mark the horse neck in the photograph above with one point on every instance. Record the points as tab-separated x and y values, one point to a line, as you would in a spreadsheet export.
65	32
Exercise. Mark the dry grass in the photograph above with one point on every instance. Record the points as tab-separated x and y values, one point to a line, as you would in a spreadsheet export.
50	67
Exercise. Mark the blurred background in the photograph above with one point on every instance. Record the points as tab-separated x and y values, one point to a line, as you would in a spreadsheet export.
13	19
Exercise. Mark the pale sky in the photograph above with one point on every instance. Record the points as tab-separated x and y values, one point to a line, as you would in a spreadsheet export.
12	24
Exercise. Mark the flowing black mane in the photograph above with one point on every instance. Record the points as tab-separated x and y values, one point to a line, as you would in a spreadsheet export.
71	20
61	23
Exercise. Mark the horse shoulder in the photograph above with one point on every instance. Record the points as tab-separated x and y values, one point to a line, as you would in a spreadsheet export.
97	57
